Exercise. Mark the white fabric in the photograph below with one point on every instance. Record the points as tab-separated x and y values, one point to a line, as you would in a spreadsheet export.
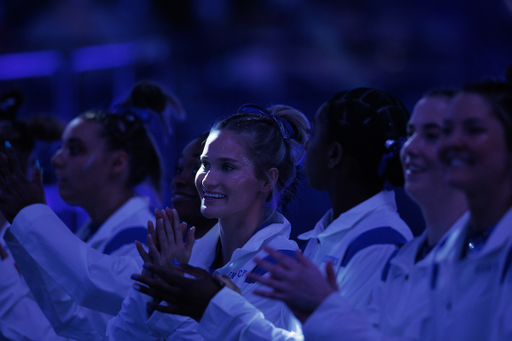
132	323
502	325
400	307
328	241
465	292
77	286
17	307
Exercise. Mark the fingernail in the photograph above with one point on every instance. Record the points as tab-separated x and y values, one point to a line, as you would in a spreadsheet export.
135	277
136	287
145	266
7	144
175	262
38	165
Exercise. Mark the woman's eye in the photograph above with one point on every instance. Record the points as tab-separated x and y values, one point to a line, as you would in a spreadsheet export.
74	150
227	168
178	170
205	165
432	137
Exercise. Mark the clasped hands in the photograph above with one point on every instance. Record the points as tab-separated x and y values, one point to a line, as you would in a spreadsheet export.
165	266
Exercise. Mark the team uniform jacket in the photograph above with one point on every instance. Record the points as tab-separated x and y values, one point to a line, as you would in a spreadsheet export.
464	291
134	322
78	285
400	307
502	325
349	242
17	306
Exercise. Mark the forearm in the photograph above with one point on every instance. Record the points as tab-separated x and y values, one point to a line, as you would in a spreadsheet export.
92	279
229	316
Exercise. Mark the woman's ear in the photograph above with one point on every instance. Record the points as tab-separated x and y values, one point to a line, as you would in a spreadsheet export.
335	155
119	161
273	175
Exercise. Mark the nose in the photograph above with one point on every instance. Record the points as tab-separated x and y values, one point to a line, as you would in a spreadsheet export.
410	147
179	180
57	158
209	179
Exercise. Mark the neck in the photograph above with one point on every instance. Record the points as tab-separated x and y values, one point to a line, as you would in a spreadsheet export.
441	213
203	227
106	203
237	230
487	209
351	194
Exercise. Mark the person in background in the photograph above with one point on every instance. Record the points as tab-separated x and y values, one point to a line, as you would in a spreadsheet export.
16	302
80	280
185	197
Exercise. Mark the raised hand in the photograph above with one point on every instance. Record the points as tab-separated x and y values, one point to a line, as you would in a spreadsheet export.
297	282
184	295
165	241
16	192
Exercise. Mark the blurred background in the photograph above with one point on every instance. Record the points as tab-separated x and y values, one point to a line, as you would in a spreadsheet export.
67	56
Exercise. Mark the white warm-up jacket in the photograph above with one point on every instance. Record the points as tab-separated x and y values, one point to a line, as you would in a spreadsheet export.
78	285
358	243
134	323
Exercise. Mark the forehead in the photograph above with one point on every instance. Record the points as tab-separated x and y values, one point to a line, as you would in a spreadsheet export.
87	131
193	149
429	110
469	106
225	144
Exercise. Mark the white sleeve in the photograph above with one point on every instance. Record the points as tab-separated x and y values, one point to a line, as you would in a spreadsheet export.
336	317
358	279
229	316
93	280
134	323
65	316
17	307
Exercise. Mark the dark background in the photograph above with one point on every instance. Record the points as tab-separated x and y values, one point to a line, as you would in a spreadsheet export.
71	55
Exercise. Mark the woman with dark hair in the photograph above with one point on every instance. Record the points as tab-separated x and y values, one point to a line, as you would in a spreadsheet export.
80	280
353	149
247	165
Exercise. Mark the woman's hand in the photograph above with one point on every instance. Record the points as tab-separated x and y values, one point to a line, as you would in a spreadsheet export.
16	192
297	282
184	295
165	242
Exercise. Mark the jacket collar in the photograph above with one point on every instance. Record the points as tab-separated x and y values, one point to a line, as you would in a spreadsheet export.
327	226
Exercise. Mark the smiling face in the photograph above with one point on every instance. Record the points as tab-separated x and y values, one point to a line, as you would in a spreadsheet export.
423	171
81	163
473	148
226	181
185	197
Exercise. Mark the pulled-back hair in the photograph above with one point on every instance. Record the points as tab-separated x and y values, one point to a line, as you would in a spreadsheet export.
371	126
269	146
125	128
499	96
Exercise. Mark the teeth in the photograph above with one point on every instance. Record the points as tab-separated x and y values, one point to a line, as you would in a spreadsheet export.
413	168
213	196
